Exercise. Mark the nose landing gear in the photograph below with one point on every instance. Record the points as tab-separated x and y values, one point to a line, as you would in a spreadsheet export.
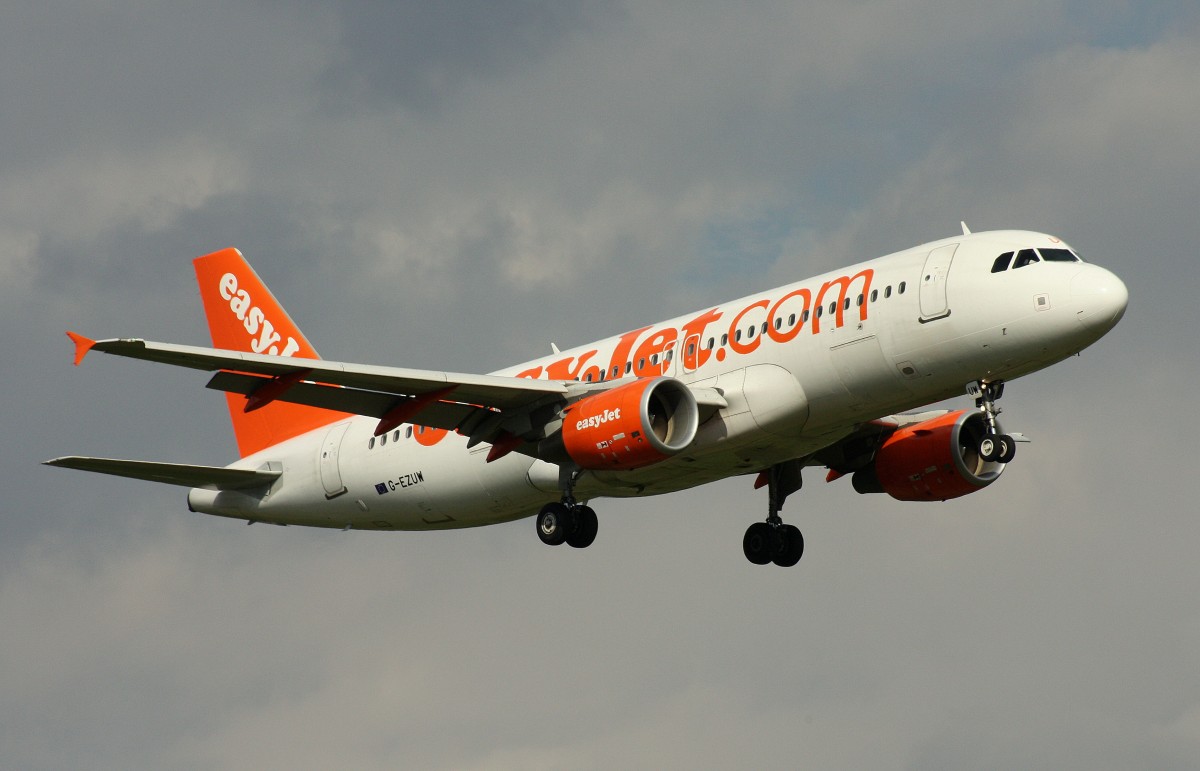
994	446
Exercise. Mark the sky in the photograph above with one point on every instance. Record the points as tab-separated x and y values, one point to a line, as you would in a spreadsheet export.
455	186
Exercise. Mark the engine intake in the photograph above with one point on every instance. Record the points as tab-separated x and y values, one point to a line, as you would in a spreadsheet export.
934	460
628	427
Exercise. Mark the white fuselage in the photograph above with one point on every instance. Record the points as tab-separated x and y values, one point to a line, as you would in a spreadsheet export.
892	334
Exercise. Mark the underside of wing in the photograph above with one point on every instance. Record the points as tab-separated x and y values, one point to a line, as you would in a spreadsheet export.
182	474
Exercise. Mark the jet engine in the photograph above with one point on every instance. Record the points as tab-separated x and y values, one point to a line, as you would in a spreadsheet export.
934	460
627	427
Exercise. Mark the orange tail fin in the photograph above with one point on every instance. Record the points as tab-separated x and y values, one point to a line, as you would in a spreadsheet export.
243	315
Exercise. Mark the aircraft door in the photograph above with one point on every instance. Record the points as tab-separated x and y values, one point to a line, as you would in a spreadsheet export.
934	302
331	473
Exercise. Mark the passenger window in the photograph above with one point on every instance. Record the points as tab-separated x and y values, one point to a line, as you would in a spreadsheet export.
654	359
887	291
371	444
396	435
383	440
749	333
859	301
1001	263
874	295
1025	257
900	289
804	316
588	377
833	307
791	320
764	327
691	349
641	363
408	433
712	342
819	309
628	367
724	339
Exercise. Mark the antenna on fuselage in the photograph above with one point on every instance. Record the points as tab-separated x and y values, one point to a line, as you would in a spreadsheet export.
966	230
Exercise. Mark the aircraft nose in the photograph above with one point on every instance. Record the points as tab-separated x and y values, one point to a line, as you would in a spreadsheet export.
1101	297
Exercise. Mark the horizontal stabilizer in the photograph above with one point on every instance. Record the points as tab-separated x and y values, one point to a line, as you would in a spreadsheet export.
214	477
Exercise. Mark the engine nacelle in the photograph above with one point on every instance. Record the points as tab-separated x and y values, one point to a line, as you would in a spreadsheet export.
630	426
934	460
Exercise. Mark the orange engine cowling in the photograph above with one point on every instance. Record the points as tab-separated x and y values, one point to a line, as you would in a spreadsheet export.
934	460
630	426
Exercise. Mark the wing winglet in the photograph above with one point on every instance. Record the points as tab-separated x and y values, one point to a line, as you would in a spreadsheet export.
82	345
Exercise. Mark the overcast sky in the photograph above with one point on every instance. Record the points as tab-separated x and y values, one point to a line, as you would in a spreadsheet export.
455	185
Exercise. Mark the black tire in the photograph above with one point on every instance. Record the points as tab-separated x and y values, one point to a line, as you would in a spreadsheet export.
989	448
759	543
1008	449
554	523
585	528
793	547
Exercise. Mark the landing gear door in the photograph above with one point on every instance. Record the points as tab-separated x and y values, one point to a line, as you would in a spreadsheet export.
331	473
934	302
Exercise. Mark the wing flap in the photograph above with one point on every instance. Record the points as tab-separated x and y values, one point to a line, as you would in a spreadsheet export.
183	474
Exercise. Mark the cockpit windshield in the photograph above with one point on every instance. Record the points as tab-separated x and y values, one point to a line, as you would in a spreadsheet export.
1032	256
1058	255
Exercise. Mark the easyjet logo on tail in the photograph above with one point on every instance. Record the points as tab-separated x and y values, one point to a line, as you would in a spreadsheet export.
264	337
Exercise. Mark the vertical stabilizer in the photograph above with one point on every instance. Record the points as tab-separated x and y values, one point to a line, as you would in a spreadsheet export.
243	315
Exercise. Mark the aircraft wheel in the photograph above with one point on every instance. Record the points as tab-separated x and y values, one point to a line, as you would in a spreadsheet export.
585	528
793	547
989	448
553	523
759	543
1008	449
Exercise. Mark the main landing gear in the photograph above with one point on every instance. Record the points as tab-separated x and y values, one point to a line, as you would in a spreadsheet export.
994	446
773	541
567	521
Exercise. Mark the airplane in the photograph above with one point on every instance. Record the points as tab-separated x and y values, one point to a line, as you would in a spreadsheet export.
817	373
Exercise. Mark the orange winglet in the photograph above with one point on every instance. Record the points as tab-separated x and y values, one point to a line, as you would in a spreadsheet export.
834	474
82	345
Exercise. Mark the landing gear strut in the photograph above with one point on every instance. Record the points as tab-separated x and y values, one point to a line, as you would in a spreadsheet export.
994	446
567	521
773	541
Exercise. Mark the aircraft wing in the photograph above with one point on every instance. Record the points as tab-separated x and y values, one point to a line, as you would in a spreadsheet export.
483	390
480	406
171	473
